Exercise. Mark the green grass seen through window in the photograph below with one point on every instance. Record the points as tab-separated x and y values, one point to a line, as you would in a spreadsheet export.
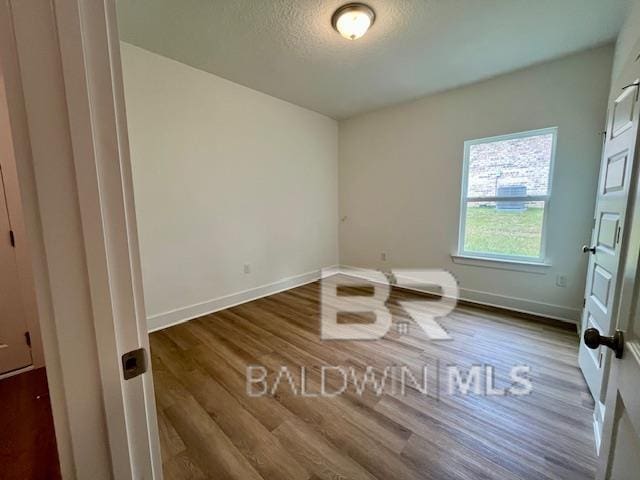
488	230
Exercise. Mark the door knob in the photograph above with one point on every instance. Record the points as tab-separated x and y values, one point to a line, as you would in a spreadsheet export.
593	340
587	249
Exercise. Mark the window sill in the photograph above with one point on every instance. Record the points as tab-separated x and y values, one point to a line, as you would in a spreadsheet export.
540	268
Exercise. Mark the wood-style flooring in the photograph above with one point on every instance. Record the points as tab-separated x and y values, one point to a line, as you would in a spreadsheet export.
210	427
27	438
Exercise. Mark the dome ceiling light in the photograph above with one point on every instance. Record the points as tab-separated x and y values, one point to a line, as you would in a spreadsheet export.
353	20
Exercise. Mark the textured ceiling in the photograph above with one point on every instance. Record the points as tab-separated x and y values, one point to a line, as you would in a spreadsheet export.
288	49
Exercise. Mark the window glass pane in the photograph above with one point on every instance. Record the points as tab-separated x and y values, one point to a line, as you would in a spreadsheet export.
515	167
504	228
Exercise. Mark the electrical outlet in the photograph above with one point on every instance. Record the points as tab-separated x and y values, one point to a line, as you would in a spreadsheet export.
561	280
247	268
383	256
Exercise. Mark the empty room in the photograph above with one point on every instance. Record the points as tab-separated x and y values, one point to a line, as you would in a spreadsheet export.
309	239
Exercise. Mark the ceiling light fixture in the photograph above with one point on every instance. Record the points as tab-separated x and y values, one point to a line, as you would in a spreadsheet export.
353	20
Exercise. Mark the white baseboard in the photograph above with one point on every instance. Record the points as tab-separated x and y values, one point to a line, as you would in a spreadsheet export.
183	314
13	373
179	315
533	307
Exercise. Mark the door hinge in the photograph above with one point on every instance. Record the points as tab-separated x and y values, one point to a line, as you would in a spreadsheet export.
27	337
12	238
618	235
584	302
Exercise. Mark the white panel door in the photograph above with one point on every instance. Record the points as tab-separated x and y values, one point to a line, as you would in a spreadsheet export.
15	353
608	240
620	450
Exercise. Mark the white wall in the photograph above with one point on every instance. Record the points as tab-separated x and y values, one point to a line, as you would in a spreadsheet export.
223	176
627	42
400	177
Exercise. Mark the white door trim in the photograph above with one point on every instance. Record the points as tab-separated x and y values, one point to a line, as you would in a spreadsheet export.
90	51
62	75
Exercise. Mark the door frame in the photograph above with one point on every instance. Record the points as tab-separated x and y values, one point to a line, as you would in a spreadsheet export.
61	63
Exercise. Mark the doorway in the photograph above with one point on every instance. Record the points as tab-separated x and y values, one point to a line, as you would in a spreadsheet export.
15	338
28	446
28	443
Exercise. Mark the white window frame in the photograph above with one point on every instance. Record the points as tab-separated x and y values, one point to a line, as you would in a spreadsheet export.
464	200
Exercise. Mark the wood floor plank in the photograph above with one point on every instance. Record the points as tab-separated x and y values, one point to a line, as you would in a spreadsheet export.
265	409
211	427
495	443
349	437
444	458
213	452
393	435
320	457
170	442
181	467
258	445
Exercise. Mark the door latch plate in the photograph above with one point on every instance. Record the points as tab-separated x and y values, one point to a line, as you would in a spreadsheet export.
134	363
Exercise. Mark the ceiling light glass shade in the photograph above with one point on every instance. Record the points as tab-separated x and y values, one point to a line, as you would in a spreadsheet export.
353	20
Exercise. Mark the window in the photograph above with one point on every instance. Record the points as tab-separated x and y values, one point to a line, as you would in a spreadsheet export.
506	187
